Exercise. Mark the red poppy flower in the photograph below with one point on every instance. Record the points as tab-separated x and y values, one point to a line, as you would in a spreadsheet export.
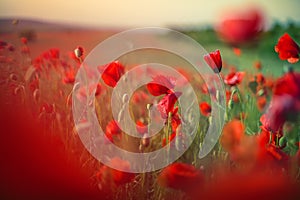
237	28
34	84
171	137
237	51
181	176
166	104
261	103
161	85
205	109
141	127
262	185
140	97
234	78
268	152
98	89
287	49
288	84
175	121
157	89
10	47
60	174
274	119
285	102
2	44
112	73
276	153
24	40
260	79
54	53
69	77
112	130
214	60
257	65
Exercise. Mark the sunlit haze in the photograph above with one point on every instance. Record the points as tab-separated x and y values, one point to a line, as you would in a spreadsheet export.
135	13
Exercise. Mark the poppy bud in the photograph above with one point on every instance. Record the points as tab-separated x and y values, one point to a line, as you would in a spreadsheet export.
125	98
145	141
78	52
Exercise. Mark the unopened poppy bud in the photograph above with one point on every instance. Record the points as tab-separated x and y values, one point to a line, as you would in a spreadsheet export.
141	147
230	104
261	92
125	98
149	106
36	95
217	95
17	90
282	142
78	52
145	141
13	77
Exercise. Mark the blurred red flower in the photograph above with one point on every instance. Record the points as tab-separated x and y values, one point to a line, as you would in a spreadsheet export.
257	65
140	97
260	78
112	130
288	84
237	51
181	176
54	53
214	60
10	47
285	102
232	134
239	27
261	103
250	186
3	44
205	109
112	177
24	40
141	127
234	78
37	164
112	73
98	89
69	77
287	49
274	118
161	85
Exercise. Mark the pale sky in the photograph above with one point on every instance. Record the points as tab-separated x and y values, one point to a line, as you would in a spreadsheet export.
138	13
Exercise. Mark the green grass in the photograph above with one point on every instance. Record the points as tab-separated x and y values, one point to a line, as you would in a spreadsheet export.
262	49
